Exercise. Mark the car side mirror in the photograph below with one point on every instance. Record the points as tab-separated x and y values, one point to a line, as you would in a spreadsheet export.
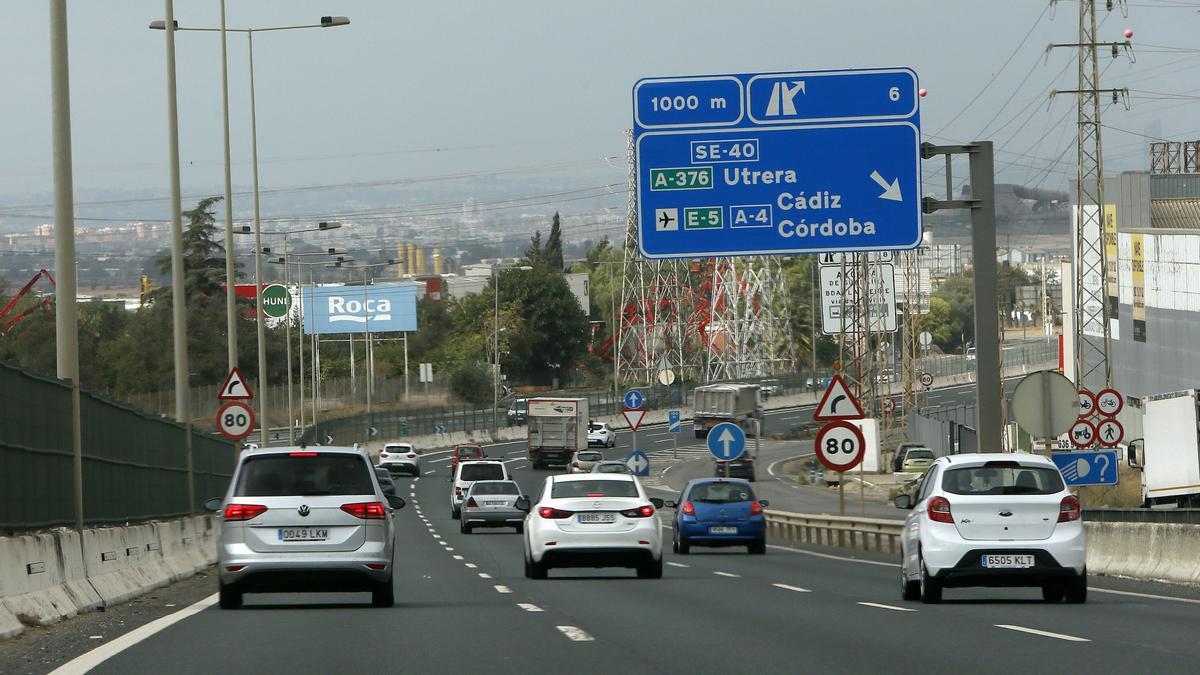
523	504
764	503
671	504
396	501
213	505
903	501
1135	454
658	503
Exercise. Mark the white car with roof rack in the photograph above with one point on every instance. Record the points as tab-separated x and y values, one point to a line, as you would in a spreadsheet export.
993	520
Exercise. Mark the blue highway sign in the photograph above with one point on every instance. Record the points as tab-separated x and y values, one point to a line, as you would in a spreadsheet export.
726	441
759	164
673	423
639	462
634	399
1087	467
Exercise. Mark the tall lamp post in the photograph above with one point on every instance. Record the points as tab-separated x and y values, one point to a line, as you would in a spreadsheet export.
496	269
321	227
325	22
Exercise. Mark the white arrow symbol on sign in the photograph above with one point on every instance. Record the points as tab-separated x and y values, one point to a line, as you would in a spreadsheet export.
725	439
640	463
890	191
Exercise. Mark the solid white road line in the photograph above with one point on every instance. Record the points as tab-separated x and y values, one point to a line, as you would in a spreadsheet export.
1169	598
514	454
484	575
891	607
502	589
575	634
529	607
833	557
675	564
1043	633
792	588
88	661
728	574
771	467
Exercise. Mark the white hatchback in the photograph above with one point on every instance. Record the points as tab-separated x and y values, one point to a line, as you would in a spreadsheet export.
593	520
397	457
993	520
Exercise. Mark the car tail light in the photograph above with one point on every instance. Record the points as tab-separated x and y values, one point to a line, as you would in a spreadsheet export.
244	511
366	510
471	503
1068	510
939	510
302	454
756	509
411	456
553	513
384	455
234	568
689	509
640	512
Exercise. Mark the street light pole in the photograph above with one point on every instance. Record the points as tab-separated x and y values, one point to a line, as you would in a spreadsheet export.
230	271
260	325
496	350
287	283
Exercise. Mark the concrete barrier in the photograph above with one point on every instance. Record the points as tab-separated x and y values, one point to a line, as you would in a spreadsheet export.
54	575
1158	551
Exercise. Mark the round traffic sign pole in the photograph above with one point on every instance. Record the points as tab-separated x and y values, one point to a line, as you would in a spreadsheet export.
235	420
840	445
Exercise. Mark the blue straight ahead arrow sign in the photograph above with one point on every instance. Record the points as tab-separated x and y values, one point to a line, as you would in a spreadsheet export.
758	164
726	441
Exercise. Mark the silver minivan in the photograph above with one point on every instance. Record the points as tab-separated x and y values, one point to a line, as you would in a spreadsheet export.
305	520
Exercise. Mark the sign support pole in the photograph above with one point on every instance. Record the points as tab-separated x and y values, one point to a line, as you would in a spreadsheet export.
841	494
675	446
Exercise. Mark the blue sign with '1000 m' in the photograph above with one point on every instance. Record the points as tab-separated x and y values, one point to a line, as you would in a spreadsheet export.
759	164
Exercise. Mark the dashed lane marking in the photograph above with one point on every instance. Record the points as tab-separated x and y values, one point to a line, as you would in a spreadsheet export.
1043	633
529	607
484	575
728	574
891	607
675	564
502	589
575	634
458	557
471	565
792	588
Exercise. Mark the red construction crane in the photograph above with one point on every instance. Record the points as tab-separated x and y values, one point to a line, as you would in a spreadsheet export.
44	304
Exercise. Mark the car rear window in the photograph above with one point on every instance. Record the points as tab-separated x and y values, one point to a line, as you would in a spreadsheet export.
593	488
612	468
590	456
721	493
397	448
500	488
1011	479
470	452
917	453
481	472
323	474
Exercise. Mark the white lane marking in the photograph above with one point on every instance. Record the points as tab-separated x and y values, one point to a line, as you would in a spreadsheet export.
457	557
428	472
437	536
514	454
449	548
502	589
771	467
484	575
1043	633
728	574
471	565
833	557
575	634
675	564
93	658
520	466
891	607
1169	598
792	588
529	607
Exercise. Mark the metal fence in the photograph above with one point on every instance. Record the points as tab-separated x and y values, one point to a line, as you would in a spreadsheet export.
134	465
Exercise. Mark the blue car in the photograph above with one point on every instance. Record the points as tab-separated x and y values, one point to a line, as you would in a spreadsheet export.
719	512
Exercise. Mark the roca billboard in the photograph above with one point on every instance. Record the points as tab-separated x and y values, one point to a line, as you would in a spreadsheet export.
384	308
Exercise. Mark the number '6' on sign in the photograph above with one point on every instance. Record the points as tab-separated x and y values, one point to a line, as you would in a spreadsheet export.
840	445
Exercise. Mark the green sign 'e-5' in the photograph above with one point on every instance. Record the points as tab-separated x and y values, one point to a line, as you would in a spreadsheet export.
276	301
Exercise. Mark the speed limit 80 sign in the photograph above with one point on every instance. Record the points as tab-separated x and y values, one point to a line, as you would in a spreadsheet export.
840	445
235	420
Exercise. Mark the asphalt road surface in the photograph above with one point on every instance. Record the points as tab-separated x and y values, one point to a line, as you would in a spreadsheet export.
464	605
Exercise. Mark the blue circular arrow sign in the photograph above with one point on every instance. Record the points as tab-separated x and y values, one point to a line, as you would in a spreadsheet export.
726	441
634	399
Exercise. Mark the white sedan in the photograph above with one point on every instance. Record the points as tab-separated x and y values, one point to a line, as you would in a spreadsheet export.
601	434
593	520
993	520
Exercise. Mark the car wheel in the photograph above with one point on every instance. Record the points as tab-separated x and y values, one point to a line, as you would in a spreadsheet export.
230	598
650	570
909	590
520	528
758	548
535	570
931	588
1052	592
454	513
464	527
1076	589
683	546
384	594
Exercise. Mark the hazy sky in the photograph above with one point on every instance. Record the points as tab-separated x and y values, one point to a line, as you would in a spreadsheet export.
413	89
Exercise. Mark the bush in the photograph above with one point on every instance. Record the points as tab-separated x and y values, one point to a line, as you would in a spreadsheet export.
472	382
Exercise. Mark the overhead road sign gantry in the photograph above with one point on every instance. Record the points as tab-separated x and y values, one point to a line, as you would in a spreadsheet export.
775	163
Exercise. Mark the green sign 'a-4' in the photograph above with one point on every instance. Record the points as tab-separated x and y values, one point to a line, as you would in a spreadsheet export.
276	301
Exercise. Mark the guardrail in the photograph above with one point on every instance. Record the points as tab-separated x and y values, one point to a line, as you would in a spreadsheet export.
868	534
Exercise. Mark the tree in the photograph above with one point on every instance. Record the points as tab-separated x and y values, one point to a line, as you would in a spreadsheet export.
958	322
534	254
552	254
552	334
472	382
